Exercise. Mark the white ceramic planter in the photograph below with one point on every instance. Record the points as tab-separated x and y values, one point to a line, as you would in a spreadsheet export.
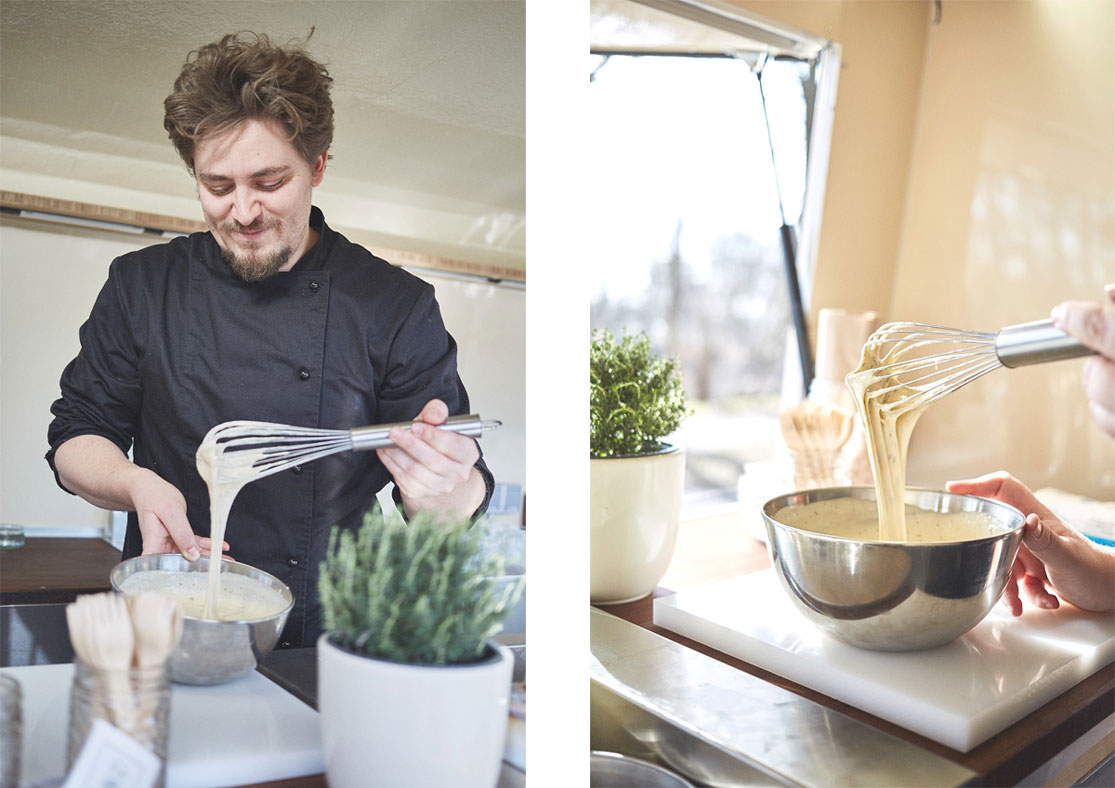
634	518
393	724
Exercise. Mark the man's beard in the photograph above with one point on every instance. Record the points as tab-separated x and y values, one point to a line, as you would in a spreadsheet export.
256	268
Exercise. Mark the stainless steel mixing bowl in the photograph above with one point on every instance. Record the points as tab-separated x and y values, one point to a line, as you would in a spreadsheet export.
615	770
893	596
213	652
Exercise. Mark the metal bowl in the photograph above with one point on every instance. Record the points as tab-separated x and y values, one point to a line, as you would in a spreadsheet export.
614	770
213	652
893	596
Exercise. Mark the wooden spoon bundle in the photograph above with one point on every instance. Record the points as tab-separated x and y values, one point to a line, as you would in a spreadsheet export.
112	635
814	433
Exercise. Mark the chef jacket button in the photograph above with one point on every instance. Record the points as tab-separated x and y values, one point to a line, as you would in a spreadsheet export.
303	374
314	287
292	562
296	469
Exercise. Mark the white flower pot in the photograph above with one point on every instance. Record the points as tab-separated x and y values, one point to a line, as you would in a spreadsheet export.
634	518
393	724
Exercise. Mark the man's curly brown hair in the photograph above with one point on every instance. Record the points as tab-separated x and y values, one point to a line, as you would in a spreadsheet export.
242	77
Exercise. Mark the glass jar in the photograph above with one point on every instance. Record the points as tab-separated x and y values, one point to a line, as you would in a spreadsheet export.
135	700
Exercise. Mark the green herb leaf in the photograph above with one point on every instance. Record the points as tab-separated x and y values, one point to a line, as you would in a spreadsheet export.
635	398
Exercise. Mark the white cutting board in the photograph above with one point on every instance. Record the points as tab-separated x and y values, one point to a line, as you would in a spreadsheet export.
959	694
249	730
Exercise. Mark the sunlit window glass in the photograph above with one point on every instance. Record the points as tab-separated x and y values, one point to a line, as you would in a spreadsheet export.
683	236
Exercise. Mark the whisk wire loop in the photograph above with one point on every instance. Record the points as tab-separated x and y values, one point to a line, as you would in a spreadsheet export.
929	332
916	363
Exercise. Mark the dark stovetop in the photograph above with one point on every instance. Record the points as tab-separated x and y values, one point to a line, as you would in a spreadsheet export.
295	670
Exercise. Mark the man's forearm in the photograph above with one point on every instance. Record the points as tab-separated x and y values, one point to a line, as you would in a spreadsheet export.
95	469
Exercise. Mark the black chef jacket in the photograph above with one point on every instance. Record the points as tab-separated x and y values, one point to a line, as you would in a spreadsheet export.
177	344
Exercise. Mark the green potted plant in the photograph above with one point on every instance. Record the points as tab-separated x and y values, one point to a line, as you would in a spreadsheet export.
411	688
636	399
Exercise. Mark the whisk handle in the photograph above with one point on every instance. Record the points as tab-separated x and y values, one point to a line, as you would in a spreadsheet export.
375	436
1036	343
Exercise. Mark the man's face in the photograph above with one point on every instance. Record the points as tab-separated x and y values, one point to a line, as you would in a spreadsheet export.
255	191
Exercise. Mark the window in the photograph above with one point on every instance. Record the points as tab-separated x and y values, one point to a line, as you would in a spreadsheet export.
687	213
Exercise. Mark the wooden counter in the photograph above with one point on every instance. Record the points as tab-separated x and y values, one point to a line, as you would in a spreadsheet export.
715	548
48	570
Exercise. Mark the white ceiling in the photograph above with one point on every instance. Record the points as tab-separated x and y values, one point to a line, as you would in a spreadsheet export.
429	98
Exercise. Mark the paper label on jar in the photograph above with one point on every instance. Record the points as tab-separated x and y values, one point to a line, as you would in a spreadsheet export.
111	758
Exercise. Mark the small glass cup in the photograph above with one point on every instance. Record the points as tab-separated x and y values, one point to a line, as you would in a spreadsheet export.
135	700
11	536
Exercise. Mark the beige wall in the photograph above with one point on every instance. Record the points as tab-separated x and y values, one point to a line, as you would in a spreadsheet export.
876	106
972	184
1011	209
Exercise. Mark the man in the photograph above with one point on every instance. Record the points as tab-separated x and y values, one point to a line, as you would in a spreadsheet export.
269	316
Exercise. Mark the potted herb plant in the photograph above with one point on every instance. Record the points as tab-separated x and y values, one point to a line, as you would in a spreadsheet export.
636	399
411	688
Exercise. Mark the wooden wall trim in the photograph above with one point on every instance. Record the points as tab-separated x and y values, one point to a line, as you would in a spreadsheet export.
18	201
99	213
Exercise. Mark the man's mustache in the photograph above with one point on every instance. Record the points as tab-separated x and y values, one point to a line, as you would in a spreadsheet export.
235	226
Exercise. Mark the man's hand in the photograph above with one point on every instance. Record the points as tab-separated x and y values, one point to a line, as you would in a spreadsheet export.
95	469
1054	557
161	509
434	469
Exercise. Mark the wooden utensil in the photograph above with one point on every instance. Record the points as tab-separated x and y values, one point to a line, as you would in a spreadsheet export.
101	634
157	626
814	433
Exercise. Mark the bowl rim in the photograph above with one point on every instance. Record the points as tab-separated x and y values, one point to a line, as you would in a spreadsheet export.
225	562
868	493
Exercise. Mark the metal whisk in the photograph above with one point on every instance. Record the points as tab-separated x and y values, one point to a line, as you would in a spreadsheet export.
927	362
243	451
